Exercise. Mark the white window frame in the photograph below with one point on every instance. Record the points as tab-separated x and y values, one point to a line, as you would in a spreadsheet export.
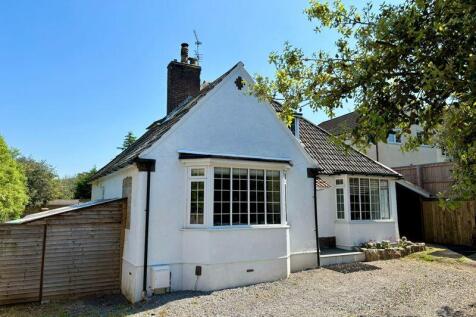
390	213
209	164
340	187
191	179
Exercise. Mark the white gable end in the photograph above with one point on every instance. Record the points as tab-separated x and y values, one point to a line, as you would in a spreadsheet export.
230	121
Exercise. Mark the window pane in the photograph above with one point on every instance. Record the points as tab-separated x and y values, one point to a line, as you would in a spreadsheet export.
240	196
393	138
257	197
196	202
339	181
364	199
354	199
198	172
221	197
273	197
374	199
384	200
340	203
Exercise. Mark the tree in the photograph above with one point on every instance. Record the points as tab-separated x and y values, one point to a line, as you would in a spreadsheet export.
402	64
83	186
66	187
128	140
42	182
13	191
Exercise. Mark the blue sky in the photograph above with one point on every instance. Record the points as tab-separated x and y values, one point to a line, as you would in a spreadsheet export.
76	76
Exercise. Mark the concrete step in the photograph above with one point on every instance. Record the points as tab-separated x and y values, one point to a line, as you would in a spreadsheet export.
341	258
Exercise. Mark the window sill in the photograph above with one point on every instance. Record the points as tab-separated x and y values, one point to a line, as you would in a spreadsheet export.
237	227
351	222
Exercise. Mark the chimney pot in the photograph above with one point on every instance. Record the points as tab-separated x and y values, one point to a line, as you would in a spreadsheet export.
184	53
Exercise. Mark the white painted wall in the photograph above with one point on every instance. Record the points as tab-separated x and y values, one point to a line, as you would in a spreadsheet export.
111	187
229	122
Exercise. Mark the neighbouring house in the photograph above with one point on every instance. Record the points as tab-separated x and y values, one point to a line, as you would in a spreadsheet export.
221	193
388	153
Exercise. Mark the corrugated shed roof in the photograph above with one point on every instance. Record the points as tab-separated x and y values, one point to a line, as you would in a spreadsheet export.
155	131
57	211
337	159
340	124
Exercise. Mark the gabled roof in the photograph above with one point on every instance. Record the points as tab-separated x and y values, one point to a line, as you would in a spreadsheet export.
337	159
333	159
156	130
341	124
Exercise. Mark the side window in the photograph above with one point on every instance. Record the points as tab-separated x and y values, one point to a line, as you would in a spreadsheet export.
127	192
340	199
197	196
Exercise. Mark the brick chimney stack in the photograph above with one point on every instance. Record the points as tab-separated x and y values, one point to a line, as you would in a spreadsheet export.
183	79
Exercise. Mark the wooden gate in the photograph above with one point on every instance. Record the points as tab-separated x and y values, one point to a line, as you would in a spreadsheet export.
66	252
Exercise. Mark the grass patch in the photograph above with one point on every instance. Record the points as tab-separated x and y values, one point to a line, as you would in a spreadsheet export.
440	255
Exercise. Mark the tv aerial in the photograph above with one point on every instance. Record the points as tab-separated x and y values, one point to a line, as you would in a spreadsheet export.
198	56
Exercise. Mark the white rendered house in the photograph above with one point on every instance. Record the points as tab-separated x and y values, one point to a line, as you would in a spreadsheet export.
221	192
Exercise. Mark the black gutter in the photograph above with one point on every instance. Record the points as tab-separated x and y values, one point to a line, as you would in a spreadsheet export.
337	172
313	173
146	165
187	156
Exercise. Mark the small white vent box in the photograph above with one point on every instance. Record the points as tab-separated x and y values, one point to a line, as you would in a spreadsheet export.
160	276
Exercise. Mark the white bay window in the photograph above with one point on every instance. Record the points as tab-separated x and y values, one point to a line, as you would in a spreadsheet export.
362	198
241	194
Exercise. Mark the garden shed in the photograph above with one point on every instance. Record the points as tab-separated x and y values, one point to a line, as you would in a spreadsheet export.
64	252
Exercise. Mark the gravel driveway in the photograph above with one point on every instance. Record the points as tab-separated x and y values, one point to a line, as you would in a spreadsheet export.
405	287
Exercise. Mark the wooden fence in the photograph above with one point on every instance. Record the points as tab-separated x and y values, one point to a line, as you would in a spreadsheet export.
74	253
445	226
435	178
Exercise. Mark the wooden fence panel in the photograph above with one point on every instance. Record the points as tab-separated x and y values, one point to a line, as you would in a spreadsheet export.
450	226
434	178
82	259
82	254
20	263
409	173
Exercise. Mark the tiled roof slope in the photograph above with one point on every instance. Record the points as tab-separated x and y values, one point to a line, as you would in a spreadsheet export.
155	131
340	124
337	159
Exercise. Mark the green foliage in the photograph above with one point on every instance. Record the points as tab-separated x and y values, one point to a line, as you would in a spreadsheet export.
128	140
42	182
401	64
66	187
13	191
82	184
